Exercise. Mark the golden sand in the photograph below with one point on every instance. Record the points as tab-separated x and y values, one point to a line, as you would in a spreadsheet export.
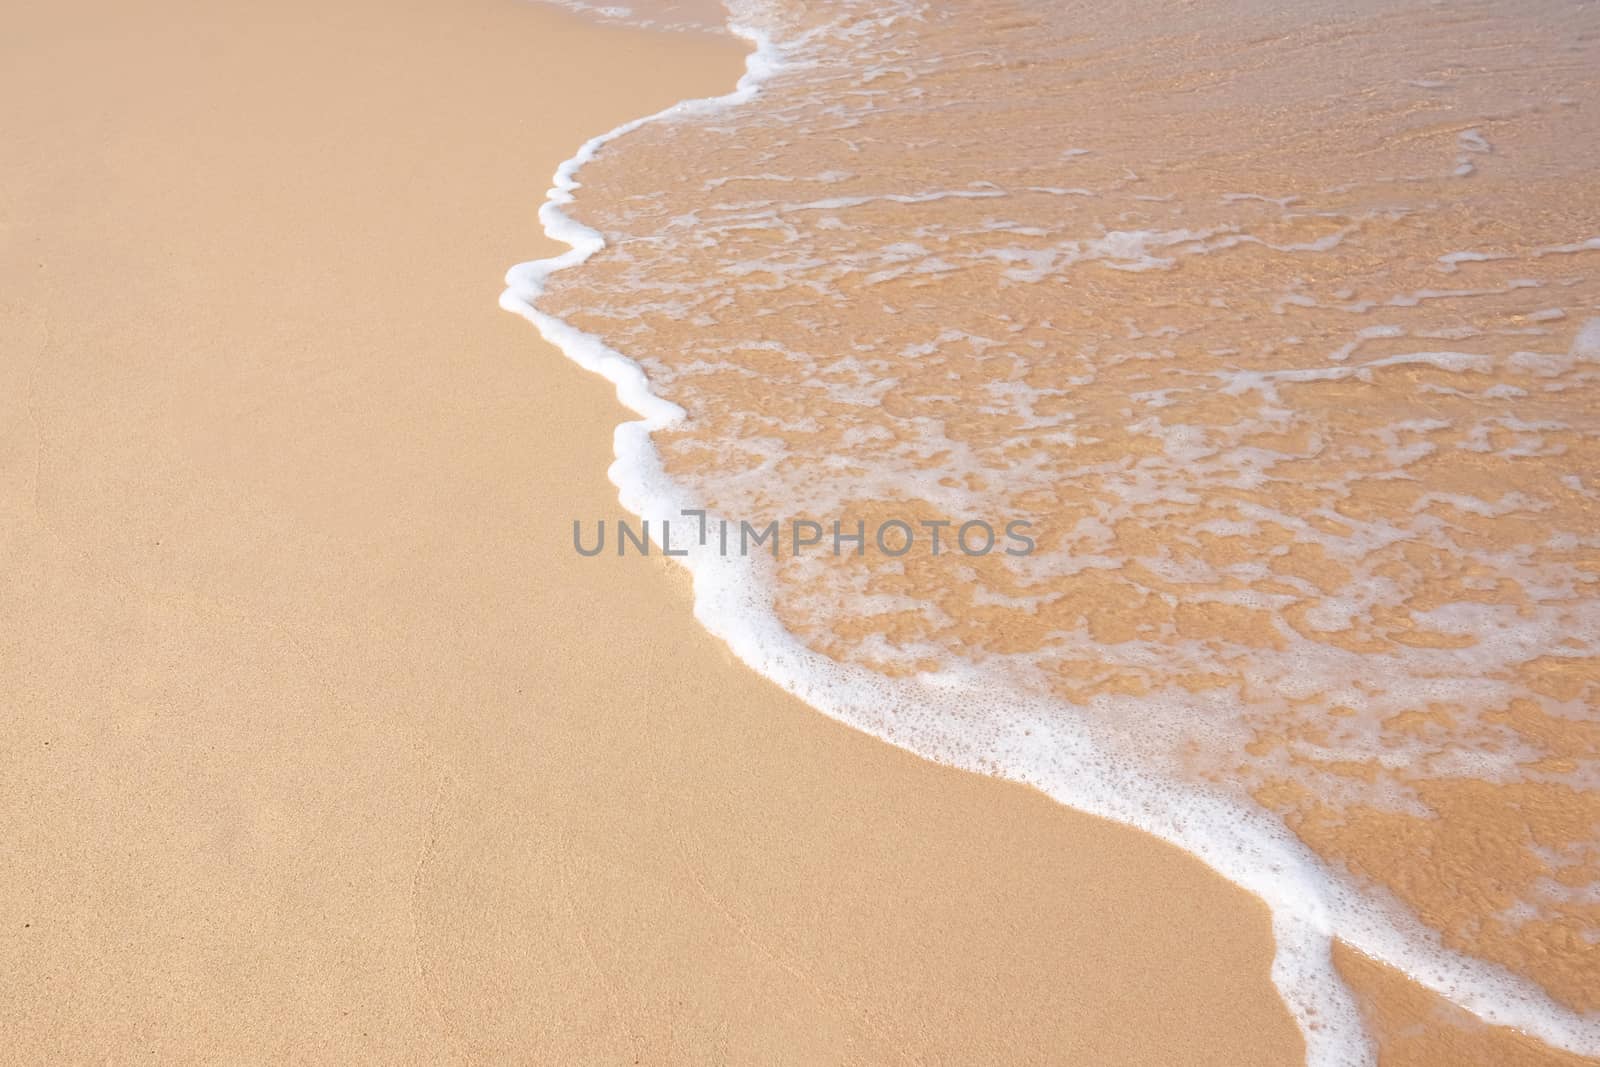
321	746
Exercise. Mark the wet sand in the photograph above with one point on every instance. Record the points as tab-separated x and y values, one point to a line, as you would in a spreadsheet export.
1276	324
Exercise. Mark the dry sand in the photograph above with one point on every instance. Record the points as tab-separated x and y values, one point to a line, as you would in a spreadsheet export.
322	746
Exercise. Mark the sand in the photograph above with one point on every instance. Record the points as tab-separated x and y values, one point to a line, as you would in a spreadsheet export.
322	746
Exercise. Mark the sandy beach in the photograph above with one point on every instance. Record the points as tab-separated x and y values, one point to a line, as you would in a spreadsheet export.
324	747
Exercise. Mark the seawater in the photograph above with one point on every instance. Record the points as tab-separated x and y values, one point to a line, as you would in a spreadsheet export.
1279	323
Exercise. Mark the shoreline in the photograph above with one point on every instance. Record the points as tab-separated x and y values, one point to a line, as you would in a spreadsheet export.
730	603
319	755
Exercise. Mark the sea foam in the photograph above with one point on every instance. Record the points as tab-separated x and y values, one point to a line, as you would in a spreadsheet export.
965	716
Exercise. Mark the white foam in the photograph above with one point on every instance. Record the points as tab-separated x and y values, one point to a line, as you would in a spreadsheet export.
958	716
1451	261
1586	345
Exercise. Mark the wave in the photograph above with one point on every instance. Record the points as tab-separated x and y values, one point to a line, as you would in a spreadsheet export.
1115	745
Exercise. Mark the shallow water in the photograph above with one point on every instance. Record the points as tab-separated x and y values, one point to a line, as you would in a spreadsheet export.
1280	329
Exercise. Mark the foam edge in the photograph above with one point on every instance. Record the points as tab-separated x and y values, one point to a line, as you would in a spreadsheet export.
1034	745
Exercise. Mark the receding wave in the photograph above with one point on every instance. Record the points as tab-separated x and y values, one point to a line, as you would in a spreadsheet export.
1281	331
